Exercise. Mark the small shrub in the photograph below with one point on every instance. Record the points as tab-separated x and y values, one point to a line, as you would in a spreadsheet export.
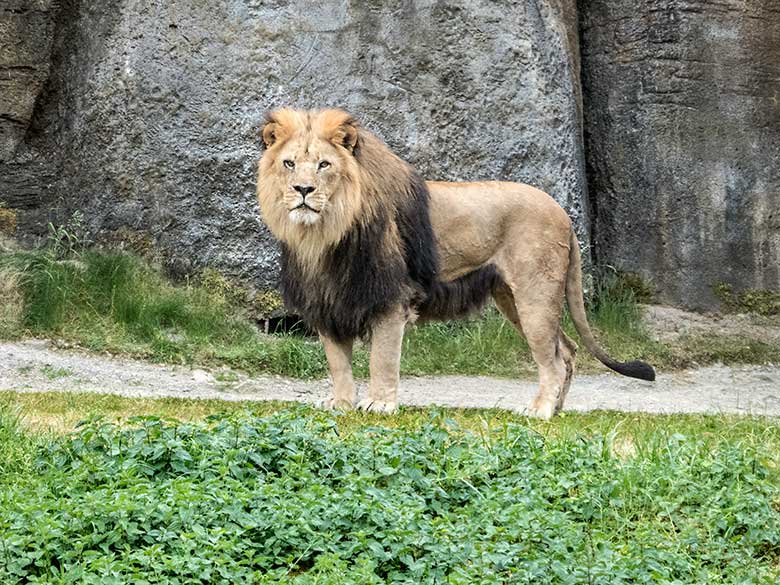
221	288
641	288
268	302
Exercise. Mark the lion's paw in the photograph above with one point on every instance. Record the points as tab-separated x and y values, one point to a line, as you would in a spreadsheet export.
334	404
371	405
542	410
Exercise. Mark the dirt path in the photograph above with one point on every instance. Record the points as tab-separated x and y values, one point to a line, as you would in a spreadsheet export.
33	366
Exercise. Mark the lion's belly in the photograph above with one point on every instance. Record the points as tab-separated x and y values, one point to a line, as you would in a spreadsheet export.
475	222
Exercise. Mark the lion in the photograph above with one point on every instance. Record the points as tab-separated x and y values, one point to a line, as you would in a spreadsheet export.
367	246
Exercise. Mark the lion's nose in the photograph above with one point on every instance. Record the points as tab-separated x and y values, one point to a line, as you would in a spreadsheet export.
303	189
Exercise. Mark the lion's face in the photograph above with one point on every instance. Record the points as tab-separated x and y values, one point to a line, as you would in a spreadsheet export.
308	179
310	171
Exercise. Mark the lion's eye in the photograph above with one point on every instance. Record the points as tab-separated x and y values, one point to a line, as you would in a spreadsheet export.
289	164
323	164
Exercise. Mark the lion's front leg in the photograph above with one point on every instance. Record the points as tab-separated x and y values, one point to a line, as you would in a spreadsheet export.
339	354
386	338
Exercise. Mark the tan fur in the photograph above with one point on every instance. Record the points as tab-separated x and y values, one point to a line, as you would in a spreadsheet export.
528	237
385	363
520	230
340	365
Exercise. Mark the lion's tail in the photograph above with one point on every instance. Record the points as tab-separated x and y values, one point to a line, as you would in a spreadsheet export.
574	298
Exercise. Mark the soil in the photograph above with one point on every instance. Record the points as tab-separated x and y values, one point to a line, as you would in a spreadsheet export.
669	323
37	365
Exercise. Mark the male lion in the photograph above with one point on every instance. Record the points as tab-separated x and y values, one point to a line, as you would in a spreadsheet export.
368	246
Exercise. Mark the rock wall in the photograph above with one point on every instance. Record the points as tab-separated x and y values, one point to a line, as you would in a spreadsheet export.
149	121
145	115
26	33
682	118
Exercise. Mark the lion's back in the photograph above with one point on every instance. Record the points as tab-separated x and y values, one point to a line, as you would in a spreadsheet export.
474	222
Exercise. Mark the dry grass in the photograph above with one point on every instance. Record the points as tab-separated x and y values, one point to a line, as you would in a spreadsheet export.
12	305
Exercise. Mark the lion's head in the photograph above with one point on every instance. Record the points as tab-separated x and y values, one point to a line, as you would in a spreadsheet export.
309	180
321	174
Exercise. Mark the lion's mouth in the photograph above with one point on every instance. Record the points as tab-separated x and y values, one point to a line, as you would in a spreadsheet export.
305	205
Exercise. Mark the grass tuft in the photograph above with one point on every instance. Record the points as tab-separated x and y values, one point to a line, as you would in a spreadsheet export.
12	306
17	445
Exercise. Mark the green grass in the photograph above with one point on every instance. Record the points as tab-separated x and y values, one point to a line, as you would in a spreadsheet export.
55	373
276	494
106	301
115	302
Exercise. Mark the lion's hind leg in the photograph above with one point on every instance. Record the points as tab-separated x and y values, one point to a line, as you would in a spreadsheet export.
567	349
536	312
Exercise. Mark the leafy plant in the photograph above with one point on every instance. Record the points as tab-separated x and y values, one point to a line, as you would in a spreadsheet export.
290	498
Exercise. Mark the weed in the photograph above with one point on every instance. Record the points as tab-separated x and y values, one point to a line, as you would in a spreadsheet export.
69	239
53	373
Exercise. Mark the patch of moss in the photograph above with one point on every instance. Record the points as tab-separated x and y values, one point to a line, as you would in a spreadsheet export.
7	220
759	301
222	289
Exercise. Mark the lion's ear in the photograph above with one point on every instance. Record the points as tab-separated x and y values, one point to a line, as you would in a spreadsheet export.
346	135
270	131
350	136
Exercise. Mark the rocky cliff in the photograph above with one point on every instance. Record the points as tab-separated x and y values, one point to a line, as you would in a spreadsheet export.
682	110
150	117
145	115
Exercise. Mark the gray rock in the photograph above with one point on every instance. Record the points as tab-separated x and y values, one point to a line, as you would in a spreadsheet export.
26	32
150	118
683	141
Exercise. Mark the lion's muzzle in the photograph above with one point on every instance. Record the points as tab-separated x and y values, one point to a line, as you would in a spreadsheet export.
304	190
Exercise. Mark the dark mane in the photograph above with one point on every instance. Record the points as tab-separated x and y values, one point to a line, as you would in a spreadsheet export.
361	278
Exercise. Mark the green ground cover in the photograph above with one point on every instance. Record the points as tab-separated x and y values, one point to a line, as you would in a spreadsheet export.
281	494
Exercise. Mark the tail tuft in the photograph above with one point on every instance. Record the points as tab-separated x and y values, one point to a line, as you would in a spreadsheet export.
635	369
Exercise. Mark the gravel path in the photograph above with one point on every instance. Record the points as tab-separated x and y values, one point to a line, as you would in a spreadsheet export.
33	366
